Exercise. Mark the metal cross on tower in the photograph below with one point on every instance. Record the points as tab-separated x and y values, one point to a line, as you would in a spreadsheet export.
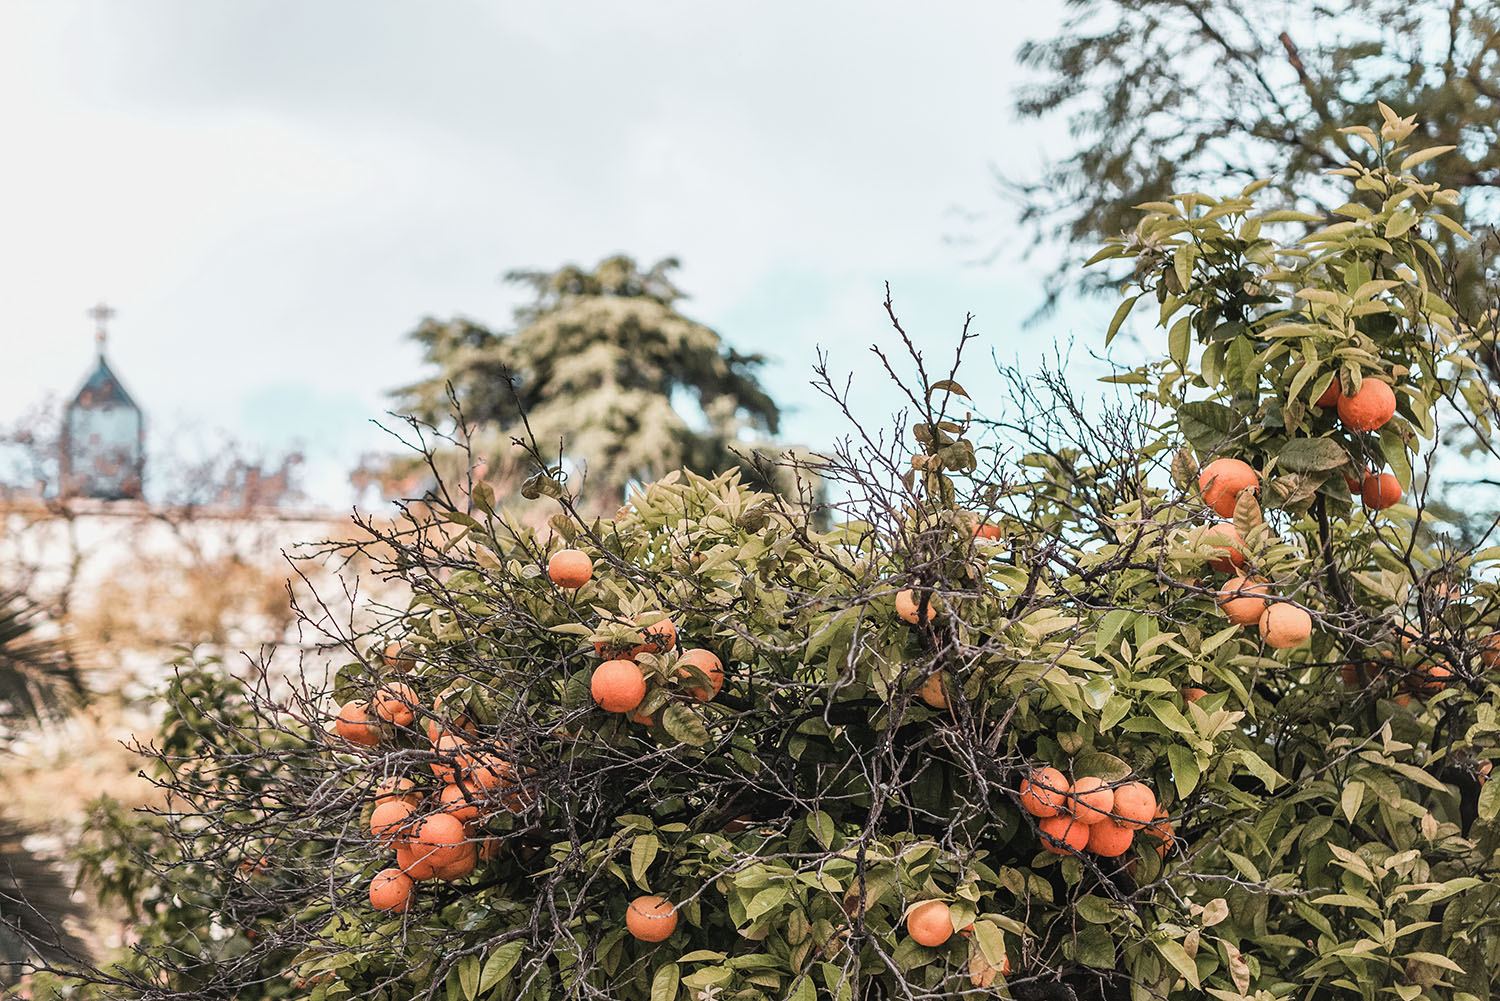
101	315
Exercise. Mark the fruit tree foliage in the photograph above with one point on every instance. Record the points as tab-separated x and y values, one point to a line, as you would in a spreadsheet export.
977	612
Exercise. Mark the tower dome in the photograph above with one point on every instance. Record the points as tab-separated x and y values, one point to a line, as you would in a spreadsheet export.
103	433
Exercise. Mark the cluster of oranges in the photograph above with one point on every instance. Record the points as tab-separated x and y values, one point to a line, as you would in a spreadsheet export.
1091	814
434	834
1244	600
618	684
1365	411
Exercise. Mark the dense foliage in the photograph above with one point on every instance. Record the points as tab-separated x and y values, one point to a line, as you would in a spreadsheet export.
1162	96
889	685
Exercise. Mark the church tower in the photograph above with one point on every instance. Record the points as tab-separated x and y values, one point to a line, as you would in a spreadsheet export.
103	433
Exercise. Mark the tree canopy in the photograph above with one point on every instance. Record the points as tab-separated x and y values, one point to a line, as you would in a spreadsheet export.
604	361
1167	96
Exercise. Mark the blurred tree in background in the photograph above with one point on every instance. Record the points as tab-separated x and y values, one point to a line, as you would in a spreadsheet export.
1165	96
603	358
38	680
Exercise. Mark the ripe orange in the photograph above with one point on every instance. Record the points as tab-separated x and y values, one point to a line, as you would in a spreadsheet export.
991	532
394	789
1044	792
1241	602
390	821
705	661
1091	800
440	839
461	799
1109	839
1332	395
391	890
929	923
644	719
661	635
1135	805
459	867
1368	409
1428	680
1489	651
906	606
1380	490
452	753
570	568
396	704
1284	625
617	686
1193	694
489	848
354	724
1161	831
932	691
413	863
651	919
489	771
1221	482
1063	834
401	659
459	724
1227	539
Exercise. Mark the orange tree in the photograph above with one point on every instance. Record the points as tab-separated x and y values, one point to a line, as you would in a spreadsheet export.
1137	703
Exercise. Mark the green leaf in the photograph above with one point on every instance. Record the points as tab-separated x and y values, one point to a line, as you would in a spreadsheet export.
991	941
765	901
1179	339
664	984
1184	768
1174	953
1095	910
1489	801
1423	155
642	853
1311	455
500	963
1260	768
1096	948
685	725
1102	764
468	977
1210	426
1120	313
1354	795
821	826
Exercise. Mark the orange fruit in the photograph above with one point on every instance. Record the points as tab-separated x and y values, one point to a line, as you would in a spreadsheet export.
489	771
570	568
617	686
390	820
489	848
1332	395
452	752
1489	651
462	800
1135	805
459	867
1109	839
1227	539
1221	482
412	862
1091	800
401	659
1485	767
353	723
440	839
1063	834
932	691
396	704
661	635
705	661
1428	680
651	919
906	606
391	890
1193	694
1161	832
394	789
1380	490
991	532
1240	600
929	923
1044	792
459	724
644	719
1284	625
1368	409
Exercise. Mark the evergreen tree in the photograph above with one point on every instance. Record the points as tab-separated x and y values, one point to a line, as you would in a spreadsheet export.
1166	96
604	359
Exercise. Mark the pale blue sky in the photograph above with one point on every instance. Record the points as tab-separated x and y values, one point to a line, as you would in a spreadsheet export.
273	193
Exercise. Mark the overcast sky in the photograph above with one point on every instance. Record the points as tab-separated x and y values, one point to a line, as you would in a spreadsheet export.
272	194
